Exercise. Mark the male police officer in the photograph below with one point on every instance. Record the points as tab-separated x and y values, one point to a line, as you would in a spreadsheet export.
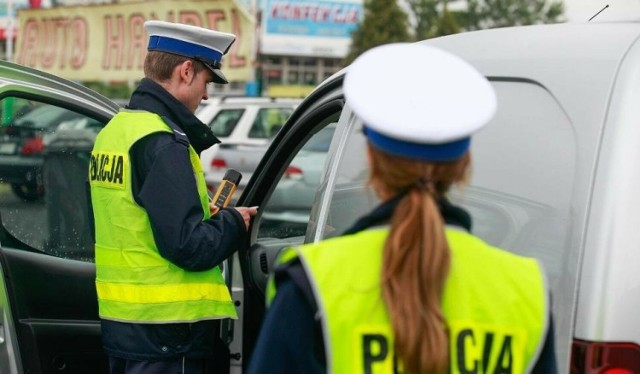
160	290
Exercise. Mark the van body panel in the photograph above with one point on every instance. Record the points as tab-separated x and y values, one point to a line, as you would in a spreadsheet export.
610	282
592	72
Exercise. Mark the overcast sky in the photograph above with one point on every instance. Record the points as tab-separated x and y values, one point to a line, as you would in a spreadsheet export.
582	10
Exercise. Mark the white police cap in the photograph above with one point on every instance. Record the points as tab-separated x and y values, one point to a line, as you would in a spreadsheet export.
204	45
428	106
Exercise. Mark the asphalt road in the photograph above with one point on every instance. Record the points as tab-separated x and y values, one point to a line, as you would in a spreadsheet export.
26	221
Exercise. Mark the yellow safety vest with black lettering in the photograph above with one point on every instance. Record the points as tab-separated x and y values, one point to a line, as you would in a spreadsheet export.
494	303
133	281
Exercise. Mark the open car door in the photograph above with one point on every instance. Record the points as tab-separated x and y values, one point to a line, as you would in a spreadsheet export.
310	185
48	300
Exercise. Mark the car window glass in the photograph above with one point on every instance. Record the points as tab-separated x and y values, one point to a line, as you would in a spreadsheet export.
522	202
352	195
269	121
225	121
286	213
44	153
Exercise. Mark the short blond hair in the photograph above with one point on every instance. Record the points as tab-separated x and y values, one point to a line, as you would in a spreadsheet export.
158	66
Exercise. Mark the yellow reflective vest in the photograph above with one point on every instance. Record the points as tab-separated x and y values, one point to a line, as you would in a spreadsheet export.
133	281
495	305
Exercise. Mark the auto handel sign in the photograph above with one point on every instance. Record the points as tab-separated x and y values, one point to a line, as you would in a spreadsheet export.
108	42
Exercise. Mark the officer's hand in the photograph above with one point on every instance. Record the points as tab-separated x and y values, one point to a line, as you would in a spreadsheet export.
247	213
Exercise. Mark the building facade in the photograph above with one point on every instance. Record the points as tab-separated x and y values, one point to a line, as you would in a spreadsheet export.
284	47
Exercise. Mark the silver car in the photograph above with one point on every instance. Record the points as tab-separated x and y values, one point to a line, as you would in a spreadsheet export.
240	122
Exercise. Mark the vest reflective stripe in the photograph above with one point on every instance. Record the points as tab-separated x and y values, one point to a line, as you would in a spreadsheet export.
188	311
133	281
494	303
164	293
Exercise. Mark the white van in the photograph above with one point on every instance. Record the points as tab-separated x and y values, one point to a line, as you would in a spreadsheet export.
556	175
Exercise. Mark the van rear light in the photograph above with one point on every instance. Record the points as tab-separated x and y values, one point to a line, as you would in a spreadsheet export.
604	358
32	146
293	172
219	163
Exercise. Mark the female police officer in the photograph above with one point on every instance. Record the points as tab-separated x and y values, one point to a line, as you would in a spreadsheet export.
408	289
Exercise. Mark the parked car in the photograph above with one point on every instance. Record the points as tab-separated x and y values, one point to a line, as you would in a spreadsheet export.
555	176
240	157
240	121
22	144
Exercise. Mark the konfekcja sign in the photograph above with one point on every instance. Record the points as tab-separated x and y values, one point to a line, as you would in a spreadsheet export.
108	42
320	28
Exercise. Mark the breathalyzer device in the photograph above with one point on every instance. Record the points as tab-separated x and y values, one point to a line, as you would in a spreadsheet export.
227	187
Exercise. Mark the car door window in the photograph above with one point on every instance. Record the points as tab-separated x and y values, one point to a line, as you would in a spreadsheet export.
225	121
351	195
44	153
286	212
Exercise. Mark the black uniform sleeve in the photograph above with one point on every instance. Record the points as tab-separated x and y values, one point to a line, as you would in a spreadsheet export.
165	186
289	336
546	363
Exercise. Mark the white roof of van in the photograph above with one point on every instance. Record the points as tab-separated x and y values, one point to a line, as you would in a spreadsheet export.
560	57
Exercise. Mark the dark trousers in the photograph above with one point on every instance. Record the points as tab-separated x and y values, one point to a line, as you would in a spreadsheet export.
177	366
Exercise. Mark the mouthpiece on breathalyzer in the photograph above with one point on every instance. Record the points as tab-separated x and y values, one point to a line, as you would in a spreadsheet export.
226	189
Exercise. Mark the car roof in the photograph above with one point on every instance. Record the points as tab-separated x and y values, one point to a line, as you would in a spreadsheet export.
59	89
540	52
249	100
213	104
558	57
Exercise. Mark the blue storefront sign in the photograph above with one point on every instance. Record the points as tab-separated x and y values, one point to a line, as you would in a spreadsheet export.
325	19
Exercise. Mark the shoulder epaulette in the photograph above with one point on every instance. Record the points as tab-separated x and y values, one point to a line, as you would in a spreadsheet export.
178	134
